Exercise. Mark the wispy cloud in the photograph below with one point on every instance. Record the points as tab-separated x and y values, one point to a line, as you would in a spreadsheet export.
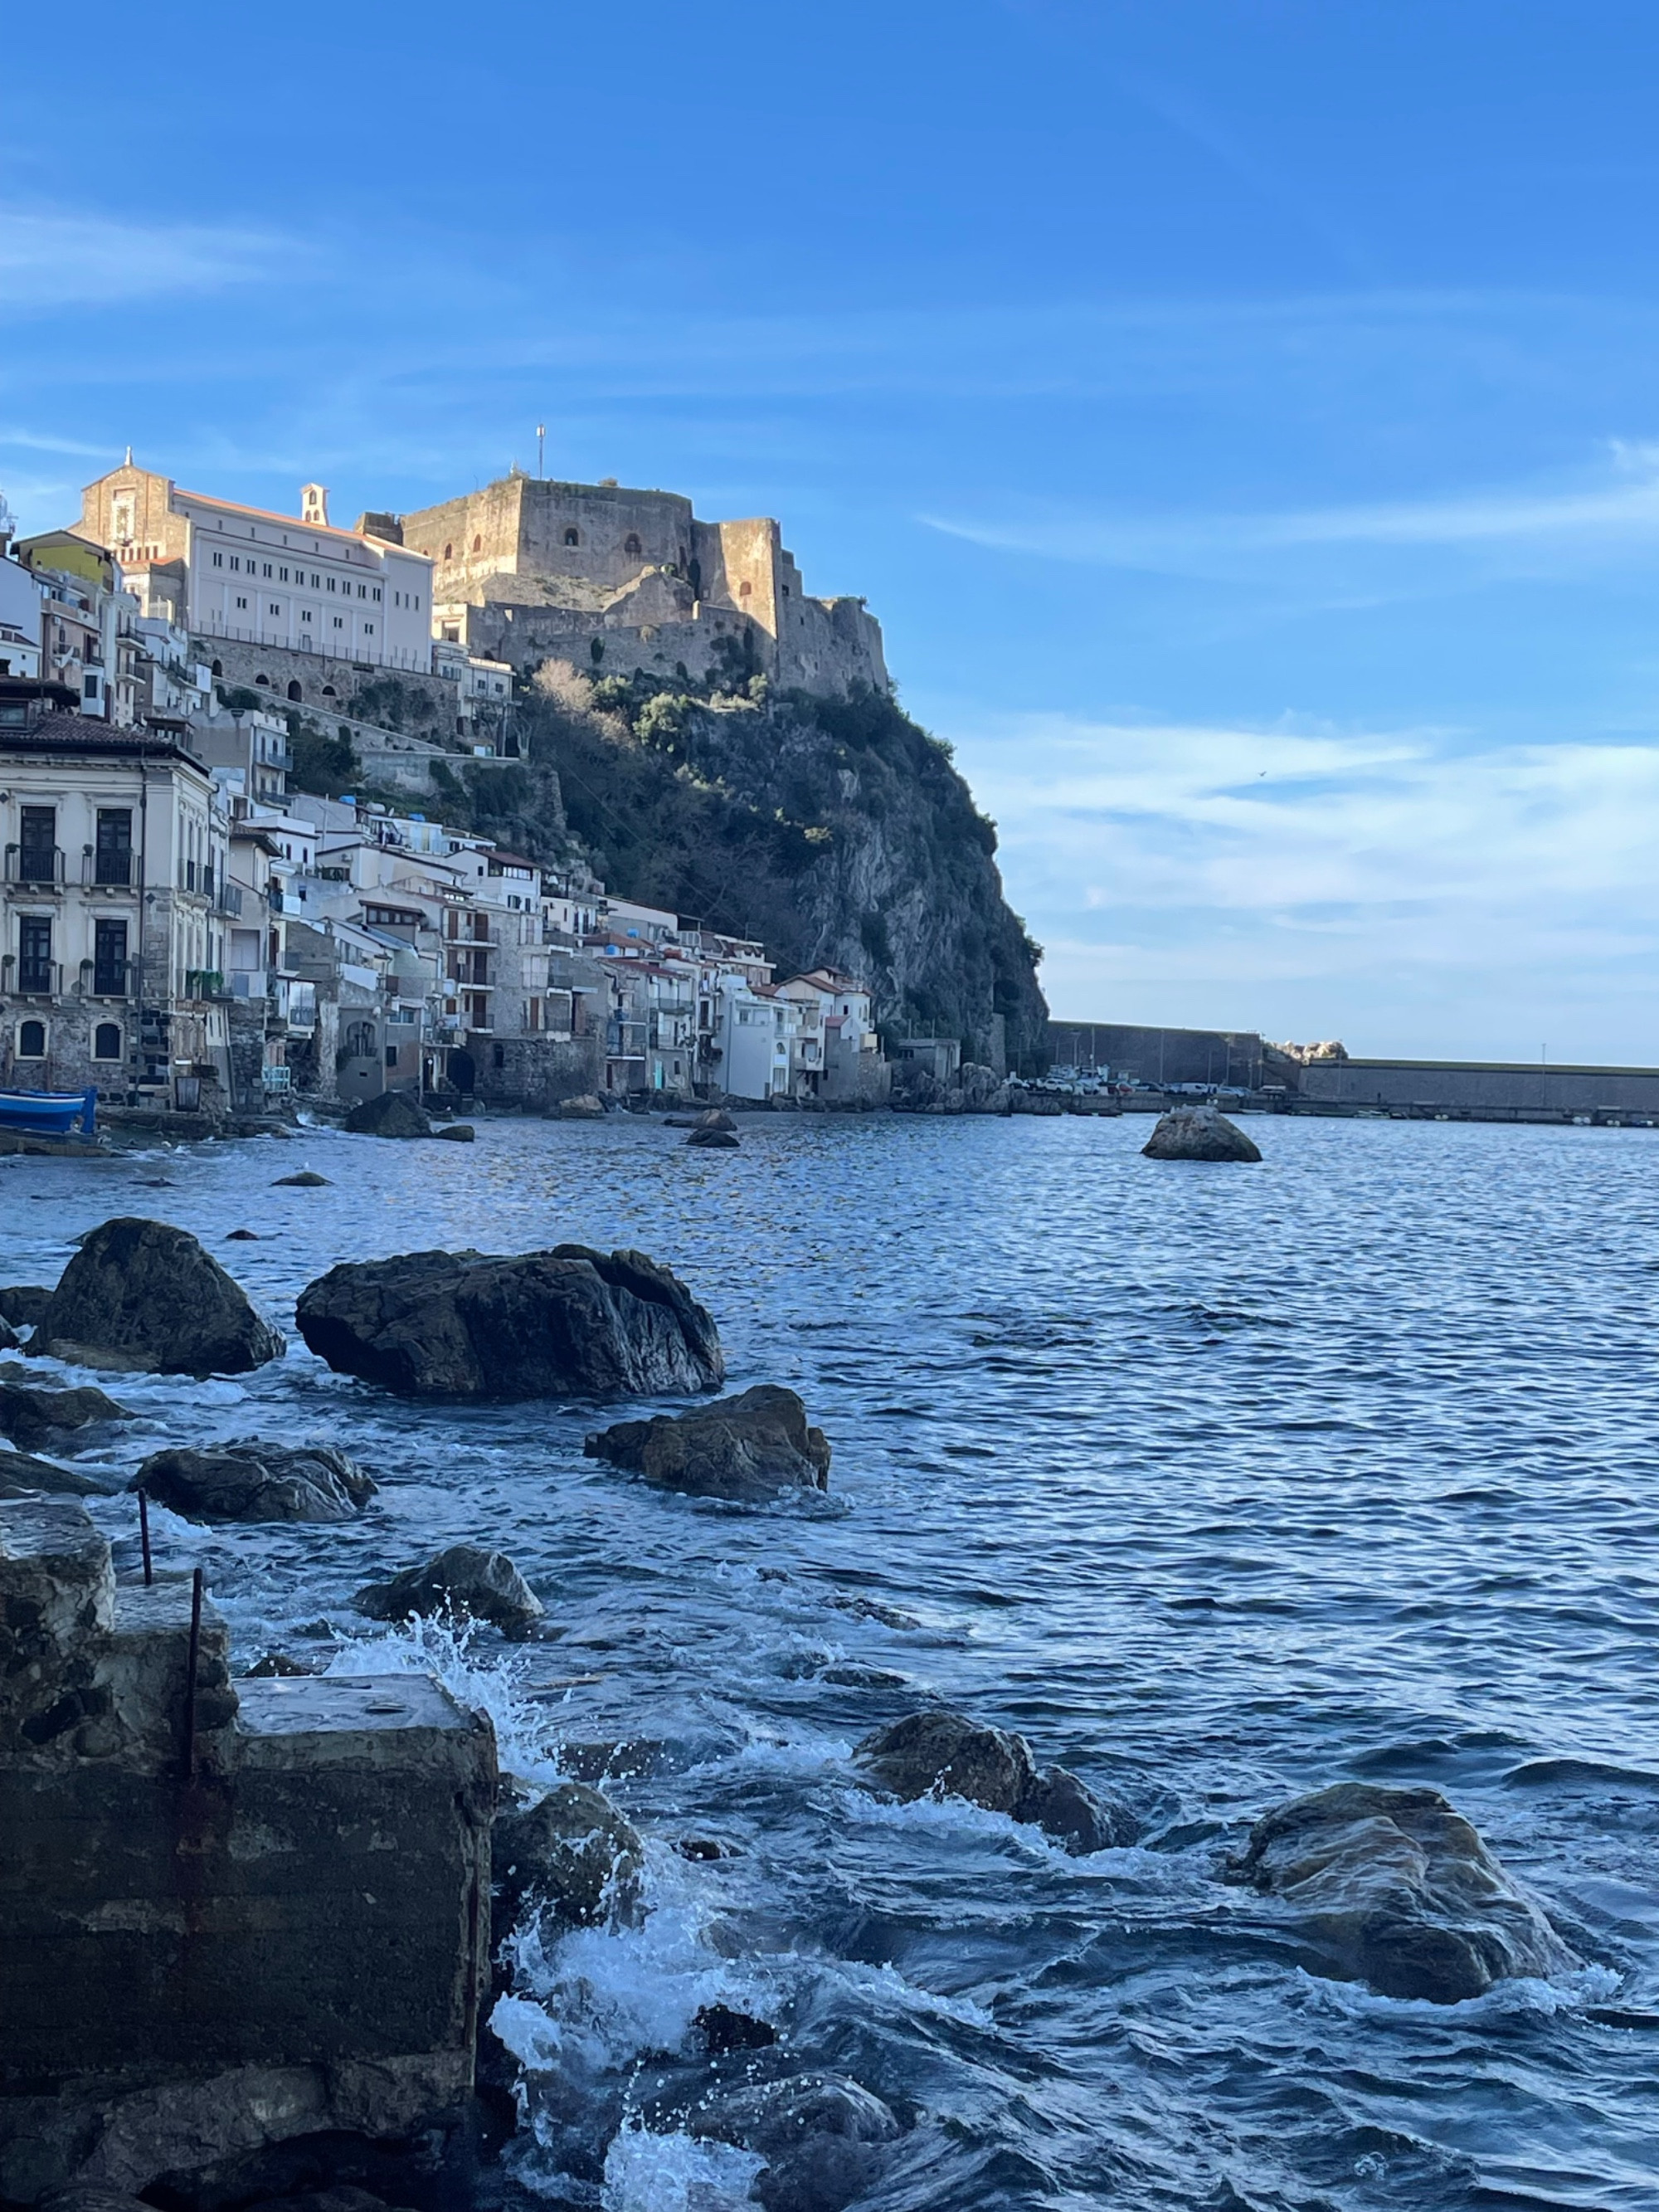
52	258
1290	876
1617	501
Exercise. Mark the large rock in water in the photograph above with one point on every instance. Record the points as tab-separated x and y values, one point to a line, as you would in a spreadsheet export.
570	1322
1198	1132
33	1412
944	1754
821	2134
22	1475
251	1481
1399	1891
393	1114
571	1857
143	1296
748	1448
462	1583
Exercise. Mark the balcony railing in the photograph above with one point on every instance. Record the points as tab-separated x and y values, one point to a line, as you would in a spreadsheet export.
112	979
40	867
230	898
39	978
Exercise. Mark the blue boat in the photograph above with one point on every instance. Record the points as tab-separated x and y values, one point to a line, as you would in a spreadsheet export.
48	1113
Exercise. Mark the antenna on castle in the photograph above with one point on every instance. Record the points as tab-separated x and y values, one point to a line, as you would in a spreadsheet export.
541	449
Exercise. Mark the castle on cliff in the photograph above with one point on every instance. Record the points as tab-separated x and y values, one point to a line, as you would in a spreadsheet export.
529	569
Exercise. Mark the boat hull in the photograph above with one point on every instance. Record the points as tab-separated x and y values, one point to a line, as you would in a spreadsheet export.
48	1113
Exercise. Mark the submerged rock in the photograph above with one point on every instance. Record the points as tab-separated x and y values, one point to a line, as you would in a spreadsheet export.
458	1133
22	1475
393	1114
144	1297
241	1236
1399	1891
252	1480
22	1304
944	1754
722	2030
714	1140
307	1179
572	1856
462	1581
583	1108
821	2137
33	1412
748	1448
1198	1132
556	1324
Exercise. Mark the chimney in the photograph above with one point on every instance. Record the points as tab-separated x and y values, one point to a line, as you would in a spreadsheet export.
313	505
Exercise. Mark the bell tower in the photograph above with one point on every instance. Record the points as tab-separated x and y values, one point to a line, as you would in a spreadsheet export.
313	505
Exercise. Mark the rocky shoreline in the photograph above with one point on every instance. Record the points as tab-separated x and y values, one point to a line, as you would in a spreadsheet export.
1386	1887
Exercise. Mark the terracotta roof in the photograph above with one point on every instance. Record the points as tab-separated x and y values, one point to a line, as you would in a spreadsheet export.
80	733
292	521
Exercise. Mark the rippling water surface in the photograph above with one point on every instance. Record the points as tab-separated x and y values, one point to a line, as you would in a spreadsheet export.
1221	1483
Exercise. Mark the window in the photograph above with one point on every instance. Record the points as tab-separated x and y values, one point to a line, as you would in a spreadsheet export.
449	552
234	562
573	537
633	547
392	1055
37	855
267	567
339	622
498	1054
332	585
113	854
106	1040
31	1040
477	545
377	595
109	960
275	609
744	589
242	603
305	614
34	955
368	630
89	686
218	560
363	591
282	576
294	689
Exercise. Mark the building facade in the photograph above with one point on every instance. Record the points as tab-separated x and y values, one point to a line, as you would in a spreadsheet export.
295	584
116	906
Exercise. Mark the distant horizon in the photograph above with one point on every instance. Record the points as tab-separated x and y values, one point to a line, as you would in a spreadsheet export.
1243	424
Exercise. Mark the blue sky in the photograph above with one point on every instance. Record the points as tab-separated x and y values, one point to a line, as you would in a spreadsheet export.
1241	414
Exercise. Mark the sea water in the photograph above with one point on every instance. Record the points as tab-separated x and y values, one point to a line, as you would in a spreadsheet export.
1221	1483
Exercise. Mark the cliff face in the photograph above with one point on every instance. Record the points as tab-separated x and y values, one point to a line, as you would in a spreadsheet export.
835	830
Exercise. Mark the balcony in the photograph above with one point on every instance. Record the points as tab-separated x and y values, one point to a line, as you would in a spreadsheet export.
34	867
107	871
109	978
229	900
36	979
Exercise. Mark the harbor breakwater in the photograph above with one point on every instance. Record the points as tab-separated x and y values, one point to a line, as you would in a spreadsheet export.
1218	1485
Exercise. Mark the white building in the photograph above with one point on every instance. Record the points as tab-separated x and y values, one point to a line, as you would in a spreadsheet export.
20	609
292	582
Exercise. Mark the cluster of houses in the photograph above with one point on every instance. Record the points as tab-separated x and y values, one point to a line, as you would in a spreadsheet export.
180	927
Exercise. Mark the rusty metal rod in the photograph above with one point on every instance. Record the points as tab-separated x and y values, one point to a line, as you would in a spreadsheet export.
190	1673
143	1537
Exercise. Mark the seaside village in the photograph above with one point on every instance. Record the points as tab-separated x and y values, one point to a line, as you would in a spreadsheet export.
185	931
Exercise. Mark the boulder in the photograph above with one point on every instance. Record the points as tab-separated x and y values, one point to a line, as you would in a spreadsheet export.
252	1480
33	1412
241	1236
584	1107
723	2029
393	1114
571	1857
307	1179
456	1133
9	1339
714	1140
22	1474
144	1296
821	2137
1042	1103
462	1582
565	1323
748	1448
22	1304
716	1118
944	1754
1396	1889
982	1090
1198	1132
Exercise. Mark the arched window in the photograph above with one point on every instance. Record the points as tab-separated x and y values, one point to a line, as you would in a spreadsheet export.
329	692
744	589
573	537
106	1040
295	691
218	667
359	1040
633	547
265	680
477	545
31	1040
449	552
